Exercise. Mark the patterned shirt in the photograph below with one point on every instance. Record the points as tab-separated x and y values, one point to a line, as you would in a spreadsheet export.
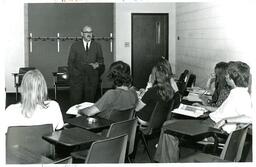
223	95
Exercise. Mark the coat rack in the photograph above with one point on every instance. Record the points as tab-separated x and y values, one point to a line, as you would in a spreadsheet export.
58	39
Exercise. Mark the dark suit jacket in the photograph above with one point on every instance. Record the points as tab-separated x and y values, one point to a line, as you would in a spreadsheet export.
79	60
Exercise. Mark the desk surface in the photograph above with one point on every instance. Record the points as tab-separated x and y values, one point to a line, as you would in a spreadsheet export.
191	128
72	137
83	122
20	155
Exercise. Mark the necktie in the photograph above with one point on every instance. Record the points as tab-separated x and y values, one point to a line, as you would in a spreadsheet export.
87	47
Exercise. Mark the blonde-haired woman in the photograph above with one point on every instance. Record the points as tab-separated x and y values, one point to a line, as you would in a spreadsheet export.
35	108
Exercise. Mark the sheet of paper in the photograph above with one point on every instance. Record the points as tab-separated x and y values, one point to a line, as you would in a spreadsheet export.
200	91
74	109
192	97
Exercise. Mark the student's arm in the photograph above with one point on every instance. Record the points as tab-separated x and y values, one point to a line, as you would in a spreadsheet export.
146	99
89	111
151	79
210	82
58	122
174	85
233	120
140	105
208	108
101	105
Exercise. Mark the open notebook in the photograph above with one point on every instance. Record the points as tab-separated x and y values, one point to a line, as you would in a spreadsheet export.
192	111
74	109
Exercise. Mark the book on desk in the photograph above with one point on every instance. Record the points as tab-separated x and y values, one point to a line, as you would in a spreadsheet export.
188	110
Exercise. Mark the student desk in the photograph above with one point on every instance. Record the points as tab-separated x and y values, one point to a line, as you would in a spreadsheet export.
72	137
195	130
22	155
192	128
84	122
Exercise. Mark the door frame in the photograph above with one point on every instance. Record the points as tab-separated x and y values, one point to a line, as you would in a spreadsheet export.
167	48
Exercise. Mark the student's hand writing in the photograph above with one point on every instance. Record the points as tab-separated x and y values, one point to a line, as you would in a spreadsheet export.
219	124
78	115
204	99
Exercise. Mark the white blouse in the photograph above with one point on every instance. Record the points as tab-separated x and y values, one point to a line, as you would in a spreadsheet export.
238	103
51	115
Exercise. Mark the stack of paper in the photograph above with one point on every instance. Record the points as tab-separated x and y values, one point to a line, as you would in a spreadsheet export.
74	109
197	90
192	111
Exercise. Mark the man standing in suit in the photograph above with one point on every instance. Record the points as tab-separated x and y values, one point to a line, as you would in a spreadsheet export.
85	58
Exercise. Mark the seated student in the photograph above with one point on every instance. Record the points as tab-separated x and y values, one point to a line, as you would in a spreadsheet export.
35	108
120	98
161	91
213	79
222	89
237	108
152	77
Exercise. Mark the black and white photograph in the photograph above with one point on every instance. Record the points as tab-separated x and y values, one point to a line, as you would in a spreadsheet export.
127	82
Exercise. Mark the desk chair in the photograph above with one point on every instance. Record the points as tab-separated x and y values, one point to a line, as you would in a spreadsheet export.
157	118
182	82
191	80
247	151
116	129
128	127
176	103
61	79
231	152
111	150
122	115
30	138
184	76
19	76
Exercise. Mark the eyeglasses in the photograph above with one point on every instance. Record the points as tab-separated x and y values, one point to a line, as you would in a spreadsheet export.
86	32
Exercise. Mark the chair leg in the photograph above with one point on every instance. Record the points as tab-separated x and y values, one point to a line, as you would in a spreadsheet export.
216	143
55	92
146	146
129	159
17	93
137	140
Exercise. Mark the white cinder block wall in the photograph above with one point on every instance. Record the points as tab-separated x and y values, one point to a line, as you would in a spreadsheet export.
209	33
212	32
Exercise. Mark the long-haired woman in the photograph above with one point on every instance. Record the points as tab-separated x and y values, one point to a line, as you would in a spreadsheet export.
161	92
35	108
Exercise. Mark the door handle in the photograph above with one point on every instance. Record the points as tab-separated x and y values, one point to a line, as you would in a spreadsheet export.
158	32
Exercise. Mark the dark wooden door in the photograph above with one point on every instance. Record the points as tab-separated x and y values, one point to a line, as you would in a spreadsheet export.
149	44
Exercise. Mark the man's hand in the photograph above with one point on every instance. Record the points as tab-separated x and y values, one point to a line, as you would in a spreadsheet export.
94	65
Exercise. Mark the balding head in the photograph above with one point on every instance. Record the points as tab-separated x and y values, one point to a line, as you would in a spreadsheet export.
86	33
